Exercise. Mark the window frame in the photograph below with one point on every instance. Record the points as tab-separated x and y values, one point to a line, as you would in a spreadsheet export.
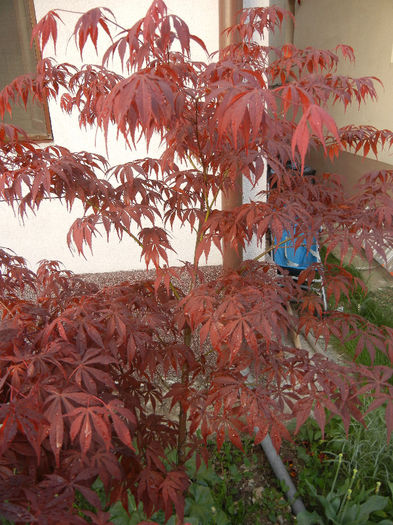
44	108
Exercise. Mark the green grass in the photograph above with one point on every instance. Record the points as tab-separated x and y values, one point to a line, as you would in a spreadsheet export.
361	461
374	307
349	349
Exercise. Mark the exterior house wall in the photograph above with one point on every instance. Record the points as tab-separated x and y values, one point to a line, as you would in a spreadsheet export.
285	35
320	23
366	26
44	236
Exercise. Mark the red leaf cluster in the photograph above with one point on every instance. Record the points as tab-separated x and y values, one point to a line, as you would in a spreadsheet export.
107	383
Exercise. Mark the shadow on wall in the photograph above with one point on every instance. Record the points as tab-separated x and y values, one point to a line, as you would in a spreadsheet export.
352	167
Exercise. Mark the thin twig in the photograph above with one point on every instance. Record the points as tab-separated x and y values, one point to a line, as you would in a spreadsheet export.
271	249
5	306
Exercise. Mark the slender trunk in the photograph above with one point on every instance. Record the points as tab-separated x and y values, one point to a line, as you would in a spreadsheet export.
182	436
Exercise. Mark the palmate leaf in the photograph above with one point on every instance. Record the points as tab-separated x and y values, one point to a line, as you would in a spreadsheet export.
85	369
149	106
87	26
149	482
14	512
58	405
46	29
22	416
107	465
51	501
172	489
315	117
89	421
80	481
119	414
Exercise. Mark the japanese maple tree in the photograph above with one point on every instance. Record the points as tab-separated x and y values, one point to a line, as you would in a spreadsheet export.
85	372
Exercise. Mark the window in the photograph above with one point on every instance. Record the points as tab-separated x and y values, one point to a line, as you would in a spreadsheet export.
17	57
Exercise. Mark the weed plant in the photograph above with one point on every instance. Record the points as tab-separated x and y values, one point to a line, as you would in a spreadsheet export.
372	308
229	490
343	474
346	503
364	448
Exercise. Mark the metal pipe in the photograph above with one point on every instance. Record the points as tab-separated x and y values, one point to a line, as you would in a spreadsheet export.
228	16
281	473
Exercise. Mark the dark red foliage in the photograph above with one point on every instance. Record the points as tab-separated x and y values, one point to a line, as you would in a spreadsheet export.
85	372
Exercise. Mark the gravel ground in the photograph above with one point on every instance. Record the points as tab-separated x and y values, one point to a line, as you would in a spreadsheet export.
134	276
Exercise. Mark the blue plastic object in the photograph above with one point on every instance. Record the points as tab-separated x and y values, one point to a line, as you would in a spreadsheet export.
293	259
285	255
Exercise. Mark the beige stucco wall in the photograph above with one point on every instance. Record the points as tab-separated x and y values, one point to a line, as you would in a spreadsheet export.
350	166
286	33
367	27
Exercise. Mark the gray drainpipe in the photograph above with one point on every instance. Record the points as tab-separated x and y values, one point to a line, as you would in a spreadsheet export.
228	16
281	473
277	465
